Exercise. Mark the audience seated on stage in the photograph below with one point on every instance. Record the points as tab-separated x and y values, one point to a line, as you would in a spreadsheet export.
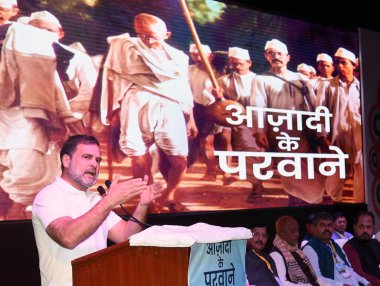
259	266
340	235
292	264
309	229
326	256
340	226
362	250
377	235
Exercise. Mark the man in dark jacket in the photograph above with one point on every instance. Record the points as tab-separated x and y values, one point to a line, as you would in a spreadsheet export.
259	266
362	250
327	258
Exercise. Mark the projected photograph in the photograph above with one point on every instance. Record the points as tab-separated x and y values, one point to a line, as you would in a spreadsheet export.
230	107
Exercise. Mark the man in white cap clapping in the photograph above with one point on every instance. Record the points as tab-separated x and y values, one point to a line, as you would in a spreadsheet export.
238	86
285	90
202	90
342	97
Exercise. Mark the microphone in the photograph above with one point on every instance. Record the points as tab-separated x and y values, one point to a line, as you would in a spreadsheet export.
101	191
127	215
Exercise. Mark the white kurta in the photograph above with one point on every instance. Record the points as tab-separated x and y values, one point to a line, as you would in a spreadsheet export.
281	270
239	88
272	92
201	86
82	76
338	280
343	101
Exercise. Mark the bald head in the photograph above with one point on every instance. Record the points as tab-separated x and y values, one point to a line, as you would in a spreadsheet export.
287	229
144	21
151	30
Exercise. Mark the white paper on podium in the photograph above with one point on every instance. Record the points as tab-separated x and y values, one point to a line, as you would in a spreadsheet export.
186	236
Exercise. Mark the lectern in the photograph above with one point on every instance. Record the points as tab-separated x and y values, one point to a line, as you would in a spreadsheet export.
122	264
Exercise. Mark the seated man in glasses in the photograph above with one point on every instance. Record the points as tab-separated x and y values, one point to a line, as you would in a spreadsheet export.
259	266
151	87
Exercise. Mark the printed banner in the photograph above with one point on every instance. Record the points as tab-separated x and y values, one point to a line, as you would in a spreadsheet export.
217	264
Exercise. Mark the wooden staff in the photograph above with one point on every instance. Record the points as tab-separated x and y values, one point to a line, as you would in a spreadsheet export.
198	44
110	129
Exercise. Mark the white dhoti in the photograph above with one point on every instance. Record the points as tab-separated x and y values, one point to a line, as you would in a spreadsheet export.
160	121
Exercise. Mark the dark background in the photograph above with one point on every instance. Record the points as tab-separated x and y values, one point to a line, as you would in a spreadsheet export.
340	14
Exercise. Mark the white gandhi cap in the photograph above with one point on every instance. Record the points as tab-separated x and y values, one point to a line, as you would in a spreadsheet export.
238	53
23	20
205	48
276	45
303	67
45	16
324	57
346	54
8	4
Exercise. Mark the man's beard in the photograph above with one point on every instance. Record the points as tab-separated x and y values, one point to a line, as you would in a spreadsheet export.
365	237
79	178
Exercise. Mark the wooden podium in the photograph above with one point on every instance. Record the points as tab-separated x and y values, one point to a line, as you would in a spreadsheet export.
122	264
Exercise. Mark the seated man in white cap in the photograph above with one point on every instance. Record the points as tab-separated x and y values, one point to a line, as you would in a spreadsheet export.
150	83
8	10
75	67
202	89
238	86
285	90
342	97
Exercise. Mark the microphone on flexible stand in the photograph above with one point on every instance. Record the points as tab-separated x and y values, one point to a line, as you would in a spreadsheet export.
127	216
101	191
108	183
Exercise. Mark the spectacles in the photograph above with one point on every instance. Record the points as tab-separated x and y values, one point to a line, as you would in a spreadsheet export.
146	37
258	234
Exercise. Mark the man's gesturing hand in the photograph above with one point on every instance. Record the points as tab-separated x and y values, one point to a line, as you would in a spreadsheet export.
122	191
151	193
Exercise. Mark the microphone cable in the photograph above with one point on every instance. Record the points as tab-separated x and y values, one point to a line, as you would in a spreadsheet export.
127	216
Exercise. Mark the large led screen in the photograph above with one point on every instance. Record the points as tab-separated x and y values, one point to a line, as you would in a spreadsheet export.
271	132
